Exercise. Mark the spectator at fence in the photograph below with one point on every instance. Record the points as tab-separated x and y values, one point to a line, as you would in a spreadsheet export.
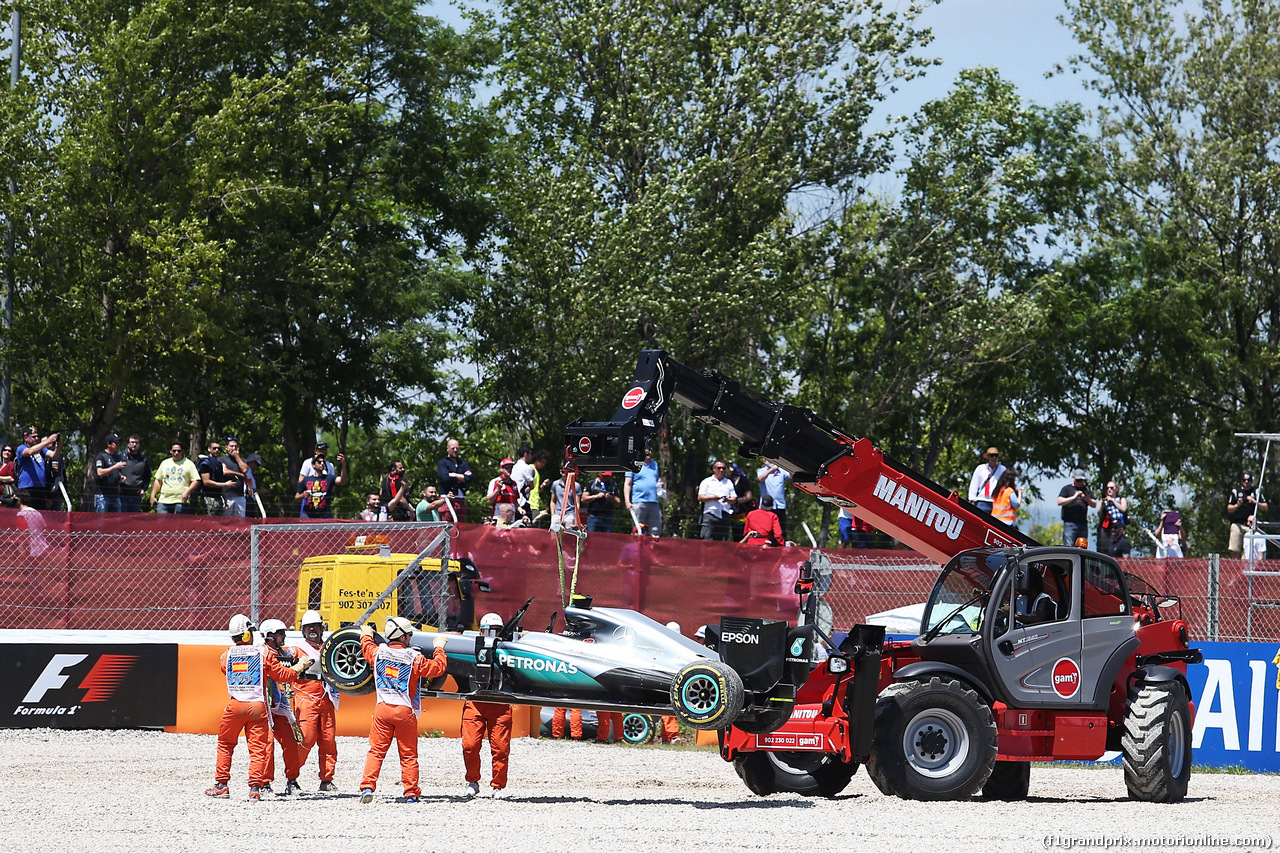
398	670
283	720
429	507
982	485
522	472
1112	513
57	474
252	480
135	476
32	521
246	668
322	450
214	483
317	489
176	478
1007	499
762	527
1172	536
394	494
234	469
1255	543
640	493
372	507
454	474
540	490
1242	504
31	461
1075	500
1120	546
773	482
745	499
717	496
8	478
565	511
854	532
502	495
601	500
315	703
107	466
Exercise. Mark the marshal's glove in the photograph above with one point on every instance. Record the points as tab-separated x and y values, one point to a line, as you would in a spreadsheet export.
302	665
366	630
439	641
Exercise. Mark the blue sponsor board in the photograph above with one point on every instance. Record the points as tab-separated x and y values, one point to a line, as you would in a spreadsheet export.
1237	706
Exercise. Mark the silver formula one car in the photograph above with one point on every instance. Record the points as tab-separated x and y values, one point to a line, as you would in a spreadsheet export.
610	659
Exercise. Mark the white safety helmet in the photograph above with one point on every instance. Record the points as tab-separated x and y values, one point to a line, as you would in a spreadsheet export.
239	627
673	626
491	620
311	617
397	627
270	626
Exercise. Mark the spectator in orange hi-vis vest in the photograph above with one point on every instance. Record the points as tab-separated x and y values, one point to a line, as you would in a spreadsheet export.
486	719
397	669
315	703
247	669
283	721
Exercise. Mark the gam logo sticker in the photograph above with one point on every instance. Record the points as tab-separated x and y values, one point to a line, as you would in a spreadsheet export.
1066	678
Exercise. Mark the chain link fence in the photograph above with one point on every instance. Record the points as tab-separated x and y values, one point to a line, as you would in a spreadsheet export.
117	572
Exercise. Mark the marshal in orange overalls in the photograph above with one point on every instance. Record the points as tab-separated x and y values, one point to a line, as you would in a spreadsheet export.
247	667
478	720
397	671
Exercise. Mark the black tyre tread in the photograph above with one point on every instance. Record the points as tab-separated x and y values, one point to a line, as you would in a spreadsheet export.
731	695
888	767
638	728
875	769
768	721
1009	781
1147	774
754	769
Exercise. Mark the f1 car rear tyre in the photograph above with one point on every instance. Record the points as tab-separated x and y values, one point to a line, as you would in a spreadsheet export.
638	728
1009	781
343	665
1156	742
934	740
809	773
707	694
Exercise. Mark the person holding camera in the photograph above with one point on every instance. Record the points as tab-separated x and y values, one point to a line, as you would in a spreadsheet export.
32	463
1242	505
1075	500
1112	516
503	494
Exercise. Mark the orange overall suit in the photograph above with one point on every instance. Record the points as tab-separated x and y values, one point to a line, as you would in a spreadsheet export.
247	668
397	671
604	719
493	719
282	728
316	706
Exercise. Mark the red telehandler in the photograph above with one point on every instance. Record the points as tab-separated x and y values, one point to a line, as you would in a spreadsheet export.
1025	653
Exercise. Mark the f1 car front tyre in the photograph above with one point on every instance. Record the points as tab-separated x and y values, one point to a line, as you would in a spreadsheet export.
1156	742
707	694
809	773
343	665
934	740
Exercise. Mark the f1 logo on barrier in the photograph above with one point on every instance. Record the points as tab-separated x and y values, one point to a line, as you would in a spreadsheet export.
99	685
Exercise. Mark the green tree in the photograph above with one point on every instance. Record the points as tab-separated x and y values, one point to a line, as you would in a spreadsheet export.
656	182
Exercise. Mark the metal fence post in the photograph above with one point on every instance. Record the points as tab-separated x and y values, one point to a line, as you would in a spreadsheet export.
255	591
1212	594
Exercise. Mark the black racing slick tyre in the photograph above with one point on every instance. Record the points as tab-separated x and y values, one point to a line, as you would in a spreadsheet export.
707	694
765	721
1156	742
934	740
638	728
809	773
1009	781
342	664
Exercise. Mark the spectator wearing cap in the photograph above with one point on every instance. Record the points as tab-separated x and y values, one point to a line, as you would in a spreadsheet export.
454	474
234	469
502	494
1242	504
316	491
135	476
107	466
31	461
322	450
982	486
254	463
761	526
601	499
1075	500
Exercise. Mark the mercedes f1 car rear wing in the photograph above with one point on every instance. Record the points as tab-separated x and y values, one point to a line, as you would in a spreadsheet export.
823	461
